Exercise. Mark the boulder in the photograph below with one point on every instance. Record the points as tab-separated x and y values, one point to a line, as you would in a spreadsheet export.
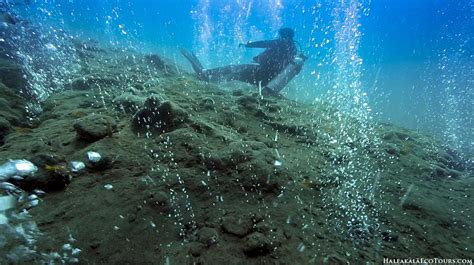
94	127
257	244
259	175
237	225
208	236
12	107
159	200
128	102
12	75
207	104
53	174
159	117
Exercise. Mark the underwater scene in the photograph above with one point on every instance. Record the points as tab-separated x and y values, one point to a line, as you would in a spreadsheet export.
236	132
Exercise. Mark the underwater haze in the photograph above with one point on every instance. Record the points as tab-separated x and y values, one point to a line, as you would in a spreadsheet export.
417	56
114	149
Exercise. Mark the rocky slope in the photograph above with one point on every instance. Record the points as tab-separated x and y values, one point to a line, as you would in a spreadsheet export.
196	173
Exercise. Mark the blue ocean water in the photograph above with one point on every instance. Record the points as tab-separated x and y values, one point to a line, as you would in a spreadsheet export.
416	57
169	168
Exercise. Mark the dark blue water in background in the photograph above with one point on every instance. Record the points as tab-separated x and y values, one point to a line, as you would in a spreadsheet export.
418	63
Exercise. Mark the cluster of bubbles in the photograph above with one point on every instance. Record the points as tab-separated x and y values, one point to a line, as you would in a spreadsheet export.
180	200
19	233
50	63
46	54
355	142
445	101
456	94
18	237
353	205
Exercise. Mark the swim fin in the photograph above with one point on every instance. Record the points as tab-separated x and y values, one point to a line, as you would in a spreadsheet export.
195	63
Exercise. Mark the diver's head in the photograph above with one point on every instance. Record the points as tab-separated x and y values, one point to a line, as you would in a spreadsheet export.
286	33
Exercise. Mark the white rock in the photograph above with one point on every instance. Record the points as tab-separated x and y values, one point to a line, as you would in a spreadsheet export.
67	247
76	251
77	166
94	157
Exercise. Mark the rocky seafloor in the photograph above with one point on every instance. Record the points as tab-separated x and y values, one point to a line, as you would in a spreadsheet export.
198	173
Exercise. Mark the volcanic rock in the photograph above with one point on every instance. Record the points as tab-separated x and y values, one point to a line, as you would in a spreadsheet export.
157	117
257	244
237	225
94	127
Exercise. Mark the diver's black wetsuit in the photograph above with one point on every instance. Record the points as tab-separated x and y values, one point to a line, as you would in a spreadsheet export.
278	54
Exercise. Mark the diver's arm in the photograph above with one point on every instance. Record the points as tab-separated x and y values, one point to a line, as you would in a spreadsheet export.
260	44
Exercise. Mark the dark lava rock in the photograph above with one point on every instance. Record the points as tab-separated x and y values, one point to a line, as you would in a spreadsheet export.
248	102
12	107
5	128
208	236
273	233
131	217
208	104
164	117
94	127
7	113
53	179
159	200
258	175
237	225
129	102
257	244
195	249
52	174
389	237
11	74
392	150
454	160
237	153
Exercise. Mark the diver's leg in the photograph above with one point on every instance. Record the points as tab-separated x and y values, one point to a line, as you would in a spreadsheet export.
241	72
195	63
